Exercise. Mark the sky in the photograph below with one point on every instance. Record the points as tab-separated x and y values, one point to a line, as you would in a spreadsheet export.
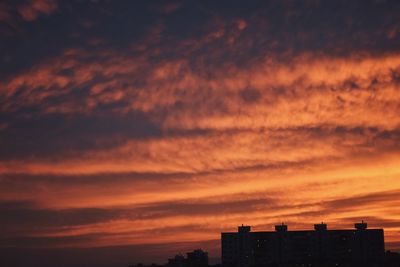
131	131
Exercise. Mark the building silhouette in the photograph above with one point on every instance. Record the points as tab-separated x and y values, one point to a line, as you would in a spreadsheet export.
177	261
319	247
195	258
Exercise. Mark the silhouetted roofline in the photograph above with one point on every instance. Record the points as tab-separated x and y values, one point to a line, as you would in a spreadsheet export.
282	228
311	230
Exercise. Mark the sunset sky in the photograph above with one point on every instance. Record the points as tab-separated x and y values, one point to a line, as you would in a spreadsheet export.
131	131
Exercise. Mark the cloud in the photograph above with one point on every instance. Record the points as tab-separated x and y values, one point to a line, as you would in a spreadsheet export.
45	136
27	225
24	215
168	8
30	10
33	217
250	95
4	12
311	91
364	200
142	150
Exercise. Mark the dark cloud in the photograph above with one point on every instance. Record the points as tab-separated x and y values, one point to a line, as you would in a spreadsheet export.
336	27
24	215
327	207
15	180
250	95
109	256
356	202
43	242
30	10
395	246
201	207
20	180
372	221
58	136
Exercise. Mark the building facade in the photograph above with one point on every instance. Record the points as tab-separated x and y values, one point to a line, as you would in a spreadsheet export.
319	247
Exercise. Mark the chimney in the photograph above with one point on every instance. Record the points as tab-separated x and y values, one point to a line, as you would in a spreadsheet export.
361	226
321	226
281	227
244	229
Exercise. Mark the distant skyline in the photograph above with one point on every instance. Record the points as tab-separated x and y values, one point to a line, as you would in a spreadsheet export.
134	130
